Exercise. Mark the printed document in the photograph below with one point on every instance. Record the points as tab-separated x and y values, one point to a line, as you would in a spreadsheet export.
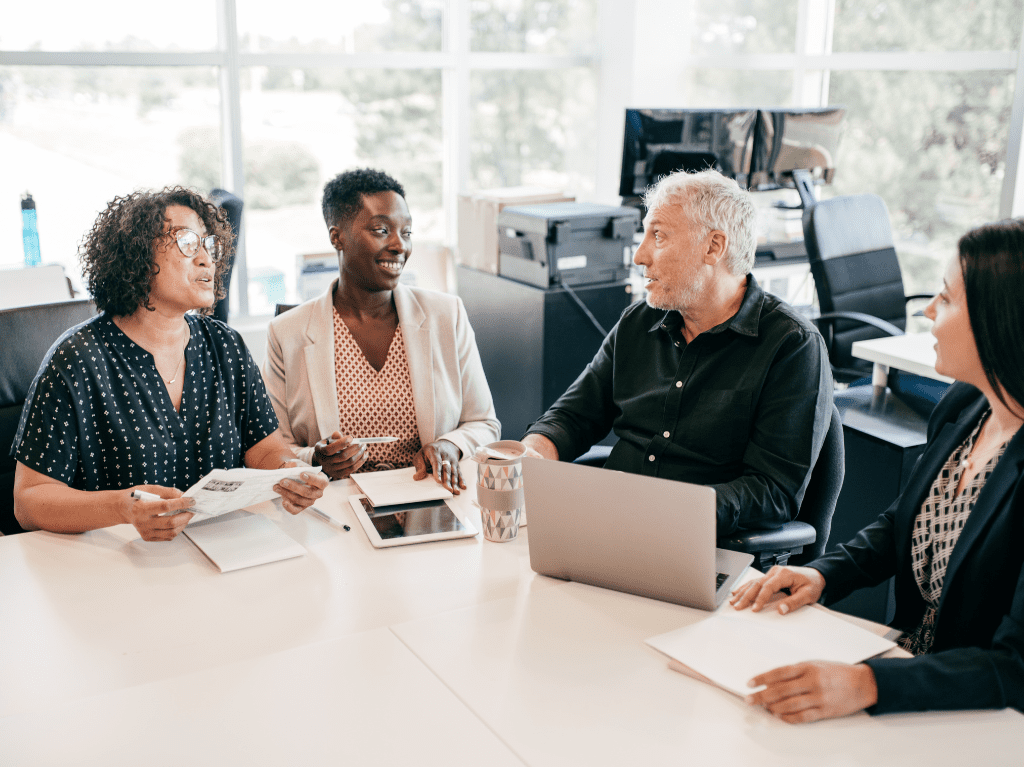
224	490
731	646
387	488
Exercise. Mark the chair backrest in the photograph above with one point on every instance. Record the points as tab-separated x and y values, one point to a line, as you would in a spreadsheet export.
28	334
855	269
233	205
823	489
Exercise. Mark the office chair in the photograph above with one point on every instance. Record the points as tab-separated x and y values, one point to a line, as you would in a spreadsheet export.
857	277
282	308
233	205
804	539
30	332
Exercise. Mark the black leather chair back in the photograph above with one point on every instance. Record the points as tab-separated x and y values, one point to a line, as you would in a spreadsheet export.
823	490
855	269
233	205
28	332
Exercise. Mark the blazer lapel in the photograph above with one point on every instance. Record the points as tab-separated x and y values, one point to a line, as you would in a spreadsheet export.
319	353
989	503
419	353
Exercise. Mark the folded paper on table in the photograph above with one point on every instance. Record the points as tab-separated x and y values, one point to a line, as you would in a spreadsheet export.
731	646
396	486
242	540
224	490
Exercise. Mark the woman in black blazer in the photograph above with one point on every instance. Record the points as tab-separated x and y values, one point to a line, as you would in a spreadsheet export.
958	528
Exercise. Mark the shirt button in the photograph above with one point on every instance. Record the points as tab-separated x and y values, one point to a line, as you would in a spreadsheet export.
650	458
679	384
665	435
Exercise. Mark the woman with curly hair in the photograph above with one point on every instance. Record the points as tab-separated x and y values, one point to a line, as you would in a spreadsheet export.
147	395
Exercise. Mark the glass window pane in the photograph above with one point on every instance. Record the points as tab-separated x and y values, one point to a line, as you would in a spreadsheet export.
534	128
933	145
744	26
315	26
533	26
301	127
737	88
77	137
927	25
111	25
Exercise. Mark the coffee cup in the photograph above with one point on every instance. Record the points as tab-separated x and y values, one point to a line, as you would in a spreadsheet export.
499	489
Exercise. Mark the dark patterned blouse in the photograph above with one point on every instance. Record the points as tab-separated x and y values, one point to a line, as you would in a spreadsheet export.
99	417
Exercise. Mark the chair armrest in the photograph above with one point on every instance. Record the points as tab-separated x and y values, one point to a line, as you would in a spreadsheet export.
596	456
792	535
865	319
928	296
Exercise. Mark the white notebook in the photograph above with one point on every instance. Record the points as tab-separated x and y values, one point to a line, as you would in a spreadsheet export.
387	488
235	542
730	647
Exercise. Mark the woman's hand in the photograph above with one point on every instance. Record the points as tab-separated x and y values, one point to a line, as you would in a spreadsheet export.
297	495
441	459
805	584
338	456
815	690
145	515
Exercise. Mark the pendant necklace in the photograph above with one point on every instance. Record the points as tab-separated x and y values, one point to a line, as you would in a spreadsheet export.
180	364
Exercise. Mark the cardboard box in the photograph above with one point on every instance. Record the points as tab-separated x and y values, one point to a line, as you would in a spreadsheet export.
478	221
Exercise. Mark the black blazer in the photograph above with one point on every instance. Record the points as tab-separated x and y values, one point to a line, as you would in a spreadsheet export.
977	659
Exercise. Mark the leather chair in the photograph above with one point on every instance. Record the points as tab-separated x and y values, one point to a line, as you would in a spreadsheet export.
29	332
233	205
804	539
857	277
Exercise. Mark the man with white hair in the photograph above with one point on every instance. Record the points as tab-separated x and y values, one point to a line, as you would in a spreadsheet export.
712	380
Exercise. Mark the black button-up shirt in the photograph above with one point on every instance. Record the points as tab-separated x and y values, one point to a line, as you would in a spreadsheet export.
744	407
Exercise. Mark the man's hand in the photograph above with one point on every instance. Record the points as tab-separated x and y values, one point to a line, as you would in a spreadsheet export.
297	495
440	458
145	515
805	584
539	446
338	456
815	690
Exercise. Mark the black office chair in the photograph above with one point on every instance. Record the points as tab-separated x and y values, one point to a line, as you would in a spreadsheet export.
29	332
233	205
804	539
857	277
282	308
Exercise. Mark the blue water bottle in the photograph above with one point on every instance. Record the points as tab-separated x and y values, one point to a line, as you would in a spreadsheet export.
29	231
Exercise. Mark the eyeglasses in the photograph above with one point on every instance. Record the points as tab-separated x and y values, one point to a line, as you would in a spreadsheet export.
189	242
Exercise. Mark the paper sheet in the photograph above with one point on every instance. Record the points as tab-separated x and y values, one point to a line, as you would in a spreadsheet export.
244	541
387	488
732	646
224	490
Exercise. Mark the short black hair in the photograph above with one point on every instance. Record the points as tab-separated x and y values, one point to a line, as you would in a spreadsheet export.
992	261
118	254
343	194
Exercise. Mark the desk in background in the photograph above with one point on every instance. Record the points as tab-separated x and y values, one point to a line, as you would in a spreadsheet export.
913	352
118	651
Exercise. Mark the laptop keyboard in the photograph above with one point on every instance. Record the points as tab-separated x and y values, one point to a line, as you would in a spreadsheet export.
720	580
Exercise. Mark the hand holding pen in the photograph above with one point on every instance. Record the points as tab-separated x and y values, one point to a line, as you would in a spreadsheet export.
158	513
339	455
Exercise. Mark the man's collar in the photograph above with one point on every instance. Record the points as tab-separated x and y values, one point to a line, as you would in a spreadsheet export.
745	321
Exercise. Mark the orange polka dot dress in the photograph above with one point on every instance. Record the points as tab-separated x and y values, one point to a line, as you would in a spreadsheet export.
375	403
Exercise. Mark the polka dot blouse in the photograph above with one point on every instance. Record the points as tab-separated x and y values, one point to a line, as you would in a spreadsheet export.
98	415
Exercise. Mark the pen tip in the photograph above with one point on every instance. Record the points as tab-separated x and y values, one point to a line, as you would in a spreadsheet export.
346	527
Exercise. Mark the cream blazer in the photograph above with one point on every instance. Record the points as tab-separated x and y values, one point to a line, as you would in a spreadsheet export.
449	388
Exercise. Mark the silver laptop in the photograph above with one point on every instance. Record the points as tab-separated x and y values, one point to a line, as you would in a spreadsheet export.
642	535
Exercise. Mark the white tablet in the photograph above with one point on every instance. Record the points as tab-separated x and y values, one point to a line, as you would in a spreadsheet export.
406	523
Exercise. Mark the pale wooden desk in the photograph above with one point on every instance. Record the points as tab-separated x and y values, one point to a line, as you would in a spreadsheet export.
120	652
914	353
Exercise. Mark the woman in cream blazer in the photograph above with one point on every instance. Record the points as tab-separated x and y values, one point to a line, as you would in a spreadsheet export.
450	391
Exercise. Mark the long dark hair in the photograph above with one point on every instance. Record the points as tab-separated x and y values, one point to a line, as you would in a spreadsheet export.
992	261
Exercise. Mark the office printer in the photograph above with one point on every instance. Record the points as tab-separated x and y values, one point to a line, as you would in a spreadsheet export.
565	243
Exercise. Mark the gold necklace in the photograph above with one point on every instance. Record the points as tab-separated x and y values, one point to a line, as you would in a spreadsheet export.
182	362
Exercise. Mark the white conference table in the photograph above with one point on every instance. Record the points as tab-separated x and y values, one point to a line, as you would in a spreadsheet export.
117	652
913	352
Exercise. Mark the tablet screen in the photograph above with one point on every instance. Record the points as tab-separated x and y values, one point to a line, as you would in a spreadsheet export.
408	520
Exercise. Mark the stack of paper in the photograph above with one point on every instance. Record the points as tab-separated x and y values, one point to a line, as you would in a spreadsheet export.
731	646
387	488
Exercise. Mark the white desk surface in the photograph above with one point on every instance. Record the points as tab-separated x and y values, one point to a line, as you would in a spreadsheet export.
914	353
103	628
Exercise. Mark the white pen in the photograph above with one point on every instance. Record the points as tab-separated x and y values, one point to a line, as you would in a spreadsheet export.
142	495
316	512
373	440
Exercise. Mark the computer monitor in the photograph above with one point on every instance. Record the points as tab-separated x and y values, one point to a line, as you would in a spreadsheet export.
787	140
